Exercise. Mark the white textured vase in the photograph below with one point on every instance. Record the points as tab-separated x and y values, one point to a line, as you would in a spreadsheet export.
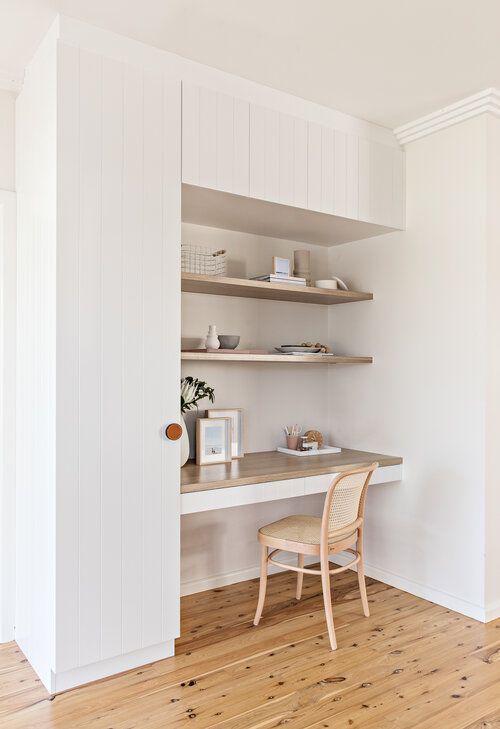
212	338
184	443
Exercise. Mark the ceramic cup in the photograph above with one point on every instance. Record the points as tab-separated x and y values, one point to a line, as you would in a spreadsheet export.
292	441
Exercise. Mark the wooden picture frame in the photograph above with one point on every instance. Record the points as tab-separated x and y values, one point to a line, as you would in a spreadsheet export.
213	440
281	266
236	415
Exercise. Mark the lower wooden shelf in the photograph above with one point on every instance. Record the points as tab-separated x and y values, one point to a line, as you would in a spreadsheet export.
283	358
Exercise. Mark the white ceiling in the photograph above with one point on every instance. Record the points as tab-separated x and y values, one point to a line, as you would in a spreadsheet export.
388	61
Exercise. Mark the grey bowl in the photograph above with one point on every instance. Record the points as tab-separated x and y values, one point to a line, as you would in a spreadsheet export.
228	341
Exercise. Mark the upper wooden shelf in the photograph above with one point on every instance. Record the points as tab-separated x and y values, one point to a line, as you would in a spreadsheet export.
286	358
224	286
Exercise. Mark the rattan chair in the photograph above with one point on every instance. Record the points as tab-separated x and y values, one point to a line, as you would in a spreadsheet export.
340	529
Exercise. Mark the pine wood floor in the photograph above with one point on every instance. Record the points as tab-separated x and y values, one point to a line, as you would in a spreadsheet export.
411	664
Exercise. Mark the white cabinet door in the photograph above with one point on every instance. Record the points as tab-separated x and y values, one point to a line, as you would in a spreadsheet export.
231	145
118	329
215	140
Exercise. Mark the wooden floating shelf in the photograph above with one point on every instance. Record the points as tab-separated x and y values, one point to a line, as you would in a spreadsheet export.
223	286
283	358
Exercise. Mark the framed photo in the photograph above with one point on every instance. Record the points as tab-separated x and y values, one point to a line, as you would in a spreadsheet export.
281	266
213	440
236	415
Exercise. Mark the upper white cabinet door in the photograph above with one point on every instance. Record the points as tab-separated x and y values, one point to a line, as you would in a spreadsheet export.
380	184
215	140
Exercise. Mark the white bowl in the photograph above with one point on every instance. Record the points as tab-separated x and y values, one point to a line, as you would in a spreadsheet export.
326	283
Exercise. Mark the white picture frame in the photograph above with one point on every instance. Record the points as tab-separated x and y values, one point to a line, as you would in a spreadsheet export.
213	440
281	266
236	415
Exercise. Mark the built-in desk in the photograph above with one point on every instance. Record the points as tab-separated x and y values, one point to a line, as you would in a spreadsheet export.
270	475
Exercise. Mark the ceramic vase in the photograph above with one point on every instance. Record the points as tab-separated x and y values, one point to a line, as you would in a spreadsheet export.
212	341
184	442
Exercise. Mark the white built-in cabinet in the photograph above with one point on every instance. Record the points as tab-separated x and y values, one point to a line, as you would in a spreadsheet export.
235	146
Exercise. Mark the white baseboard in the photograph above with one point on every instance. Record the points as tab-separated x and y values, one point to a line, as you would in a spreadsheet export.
492	611
189	587
471	610
110	667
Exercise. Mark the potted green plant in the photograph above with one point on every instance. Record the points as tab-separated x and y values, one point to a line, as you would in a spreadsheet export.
192	391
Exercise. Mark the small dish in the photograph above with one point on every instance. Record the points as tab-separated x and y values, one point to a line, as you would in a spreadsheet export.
326	283
229	341
296	348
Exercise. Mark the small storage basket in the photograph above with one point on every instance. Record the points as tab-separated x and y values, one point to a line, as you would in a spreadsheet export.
198	259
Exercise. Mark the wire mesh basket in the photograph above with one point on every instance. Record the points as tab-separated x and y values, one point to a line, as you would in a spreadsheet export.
199	259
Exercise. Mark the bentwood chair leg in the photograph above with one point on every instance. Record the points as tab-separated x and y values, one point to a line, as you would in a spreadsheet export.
262	585
300	576
361	579
327	599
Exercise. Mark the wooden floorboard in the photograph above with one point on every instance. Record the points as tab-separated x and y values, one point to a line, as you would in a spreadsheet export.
410	665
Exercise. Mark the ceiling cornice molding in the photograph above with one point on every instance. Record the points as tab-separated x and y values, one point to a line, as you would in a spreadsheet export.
487	101
11	81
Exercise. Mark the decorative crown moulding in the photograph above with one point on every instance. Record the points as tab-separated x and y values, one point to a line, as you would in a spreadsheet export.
487	101
10	81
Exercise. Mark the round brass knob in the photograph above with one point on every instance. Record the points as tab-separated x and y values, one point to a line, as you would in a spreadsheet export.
173	431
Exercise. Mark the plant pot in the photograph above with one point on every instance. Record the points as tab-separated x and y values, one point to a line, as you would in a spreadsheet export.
184	443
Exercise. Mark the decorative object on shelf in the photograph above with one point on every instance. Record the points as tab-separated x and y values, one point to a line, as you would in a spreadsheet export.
192	391
302	265
275	279
324	348
340	283
212	340
326	450
236	415
281	267
297	349
213	440
292	433
229	341
199	259
315	436
326	283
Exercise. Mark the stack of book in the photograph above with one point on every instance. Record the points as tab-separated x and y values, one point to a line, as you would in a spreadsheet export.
280	278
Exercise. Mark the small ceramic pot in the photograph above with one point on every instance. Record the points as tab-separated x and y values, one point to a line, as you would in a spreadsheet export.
292	441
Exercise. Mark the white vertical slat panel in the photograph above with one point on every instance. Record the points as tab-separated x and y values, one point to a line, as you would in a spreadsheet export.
381	184
300	133
314	166
170	340
225	142
340	182
132	372
112	360
271	155
257	151
327	169
352	177
190	134
241	153
286	159
90	331
207	126
68	402
398	188
364	180
152	368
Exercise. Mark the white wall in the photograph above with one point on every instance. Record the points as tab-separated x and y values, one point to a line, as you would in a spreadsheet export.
7	133
492	540
7	413
7	364
424	396
270	396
